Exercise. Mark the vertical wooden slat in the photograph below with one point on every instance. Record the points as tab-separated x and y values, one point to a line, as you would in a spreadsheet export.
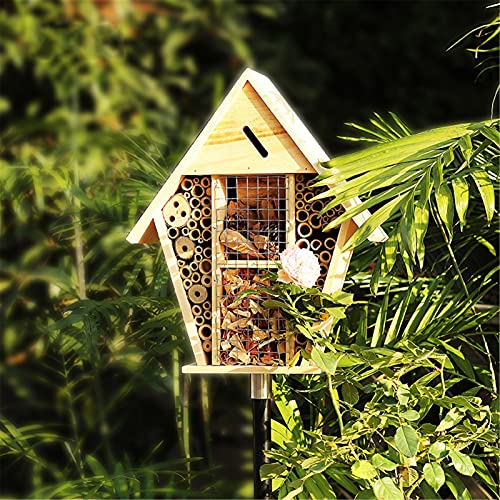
187	315
219	202
340	259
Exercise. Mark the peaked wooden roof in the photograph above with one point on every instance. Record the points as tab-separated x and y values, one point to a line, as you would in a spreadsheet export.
293	139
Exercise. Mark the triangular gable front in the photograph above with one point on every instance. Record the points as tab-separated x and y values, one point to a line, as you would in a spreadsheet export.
227	150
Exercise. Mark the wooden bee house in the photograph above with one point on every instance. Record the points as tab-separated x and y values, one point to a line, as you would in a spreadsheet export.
242	194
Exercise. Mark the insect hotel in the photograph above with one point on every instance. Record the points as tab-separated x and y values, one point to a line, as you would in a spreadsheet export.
244	192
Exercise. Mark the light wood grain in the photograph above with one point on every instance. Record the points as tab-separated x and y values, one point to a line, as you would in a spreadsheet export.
245	370
187	315
339	263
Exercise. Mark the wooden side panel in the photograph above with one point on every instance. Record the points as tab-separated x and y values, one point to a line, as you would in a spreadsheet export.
228	150
187	315
340	259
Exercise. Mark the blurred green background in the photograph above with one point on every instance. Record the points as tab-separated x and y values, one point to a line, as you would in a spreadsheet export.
98	101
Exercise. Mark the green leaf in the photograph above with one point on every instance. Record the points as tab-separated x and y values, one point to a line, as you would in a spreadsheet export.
385	489
462	463
349	393
461	195
408	477
487	192
270	471
410	415
296	487
444	200
363	469
438	449
434	475
380	462
452	418
421	223
381	319
406	441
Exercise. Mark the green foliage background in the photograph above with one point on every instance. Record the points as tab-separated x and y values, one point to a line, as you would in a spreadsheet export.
98	102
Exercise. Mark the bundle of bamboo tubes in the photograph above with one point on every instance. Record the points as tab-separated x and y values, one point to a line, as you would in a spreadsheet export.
310	223
188	216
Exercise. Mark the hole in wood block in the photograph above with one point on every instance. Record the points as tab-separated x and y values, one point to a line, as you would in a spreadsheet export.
255	141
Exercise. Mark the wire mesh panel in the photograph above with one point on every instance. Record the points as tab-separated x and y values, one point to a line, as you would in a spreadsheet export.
252	226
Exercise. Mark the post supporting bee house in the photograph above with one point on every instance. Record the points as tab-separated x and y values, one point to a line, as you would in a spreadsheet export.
243	193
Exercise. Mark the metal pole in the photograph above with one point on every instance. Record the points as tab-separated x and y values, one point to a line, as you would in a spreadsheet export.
260	392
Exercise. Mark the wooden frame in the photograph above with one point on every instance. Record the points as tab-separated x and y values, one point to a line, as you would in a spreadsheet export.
281	145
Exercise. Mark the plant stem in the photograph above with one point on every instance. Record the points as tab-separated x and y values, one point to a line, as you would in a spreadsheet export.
335	401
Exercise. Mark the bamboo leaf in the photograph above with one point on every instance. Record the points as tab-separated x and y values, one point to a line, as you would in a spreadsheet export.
461	195
444	200
487	192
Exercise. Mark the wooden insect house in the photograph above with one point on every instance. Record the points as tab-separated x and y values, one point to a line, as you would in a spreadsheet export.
242	194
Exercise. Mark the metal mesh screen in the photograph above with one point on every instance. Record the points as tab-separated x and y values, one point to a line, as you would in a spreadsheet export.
253	221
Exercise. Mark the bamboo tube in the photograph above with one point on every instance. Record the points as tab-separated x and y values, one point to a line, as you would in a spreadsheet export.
195	202
196	214
186	283
331	214
193	267
299	204
207	315
198	191
330	243
206	266
206	212
196	180
300	339
206	223
315	245
191	224
205	181
206	202
301	215
197	294
205	332
198	250
184	248
314	221
186	184
310	182
185	272
304	230
185	231
195	234
324	257
199	321
299	187
188	195
206	281
317	206
176	211
300	178
207	345
198	258
206	236
308	196
320	283
195	277
173	232
197	310
181	263
231	361
303	243
207	252
323	269
207	306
